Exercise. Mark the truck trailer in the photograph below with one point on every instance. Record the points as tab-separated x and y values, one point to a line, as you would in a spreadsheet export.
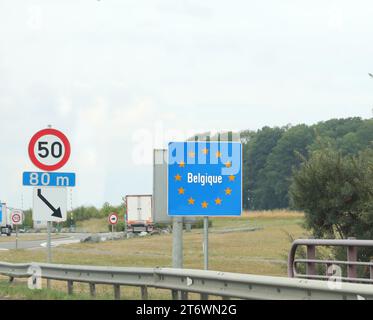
139	213
5	225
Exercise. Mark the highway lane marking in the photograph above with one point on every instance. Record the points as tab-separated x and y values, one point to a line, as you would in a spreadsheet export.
61	242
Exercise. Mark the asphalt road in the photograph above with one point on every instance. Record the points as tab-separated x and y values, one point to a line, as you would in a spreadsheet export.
41	243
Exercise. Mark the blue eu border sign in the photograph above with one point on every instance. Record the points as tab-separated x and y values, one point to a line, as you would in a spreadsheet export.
204	179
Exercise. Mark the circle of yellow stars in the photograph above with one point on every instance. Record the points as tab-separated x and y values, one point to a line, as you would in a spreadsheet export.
204	204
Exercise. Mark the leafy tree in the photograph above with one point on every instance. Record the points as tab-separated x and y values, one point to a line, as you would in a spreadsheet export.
337	128
274	178
336	193
256	149
27	218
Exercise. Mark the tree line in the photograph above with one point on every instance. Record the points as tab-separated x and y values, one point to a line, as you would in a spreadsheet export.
272	155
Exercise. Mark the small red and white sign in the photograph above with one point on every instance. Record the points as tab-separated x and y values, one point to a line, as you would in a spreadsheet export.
113	218
49	149
17	217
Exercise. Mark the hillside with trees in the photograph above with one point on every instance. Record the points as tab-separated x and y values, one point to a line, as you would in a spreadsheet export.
272	155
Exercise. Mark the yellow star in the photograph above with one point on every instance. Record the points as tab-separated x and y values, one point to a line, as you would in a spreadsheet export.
231	177
228	191
191	200
178	177
204	204
228	164
217	201
218	154
205	151
182	164
181	190
191	154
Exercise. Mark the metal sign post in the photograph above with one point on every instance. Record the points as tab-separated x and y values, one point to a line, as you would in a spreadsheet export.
177	249
177	242
49	249
16	236
49	243
206	242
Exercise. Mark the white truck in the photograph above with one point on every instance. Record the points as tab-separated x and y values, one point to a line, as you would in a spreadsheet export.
5	225
139	213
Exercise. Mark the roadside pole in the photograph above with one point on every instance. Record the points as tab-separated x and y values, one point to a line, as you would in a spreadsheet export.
206	242
49	244
205	247
16	236
177	242
177	249
49	248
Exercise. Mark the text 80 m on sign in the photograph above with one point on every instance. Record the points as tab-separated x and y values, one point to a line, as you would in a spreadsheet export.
50	179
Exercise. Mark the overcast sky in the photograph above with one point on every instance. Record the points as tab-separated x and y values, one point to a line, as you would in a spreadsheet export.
118	77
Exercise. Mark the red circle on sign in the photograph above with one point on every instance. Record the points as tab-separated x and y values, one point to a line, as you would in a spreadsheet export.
16	218
59	135
113	218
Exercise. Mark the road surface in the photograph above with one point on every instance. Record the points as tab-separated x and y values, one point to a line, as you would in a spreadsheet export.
41	243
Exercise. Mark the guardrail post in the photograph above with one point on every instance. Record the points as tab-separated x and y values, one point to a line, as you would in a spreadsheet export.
329	272
92	289
144	293
351	257
371	269
311	255
204	296
184	295
116	291
175	294
70	287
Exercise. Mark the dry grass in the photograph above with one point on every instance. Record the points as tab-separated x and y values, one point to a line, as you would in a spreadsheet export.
273	214
246	252
259	252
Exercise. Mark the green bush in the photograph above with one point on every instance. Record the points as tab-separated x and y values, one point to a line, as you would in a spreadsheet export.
119	227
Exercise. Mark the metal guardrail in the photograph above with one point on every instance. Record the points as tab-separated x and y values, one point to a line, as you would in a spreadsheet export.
311	262
184	281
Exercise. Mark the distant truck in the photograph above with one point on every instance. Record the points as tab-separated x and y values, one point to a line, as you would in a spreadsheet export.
139	213
5	226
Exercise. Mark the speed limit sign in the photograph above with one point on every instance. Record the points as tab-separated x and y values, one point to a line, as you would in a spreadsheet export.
113	218
16	217
49	149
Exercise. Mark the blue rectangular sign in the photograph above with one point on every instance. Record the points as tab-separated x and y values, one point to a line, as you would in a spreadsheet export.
204	179
49	179
1	212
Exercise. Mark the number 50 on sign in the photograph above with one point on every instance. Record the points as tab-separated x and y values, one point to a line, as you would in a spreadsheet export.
49	149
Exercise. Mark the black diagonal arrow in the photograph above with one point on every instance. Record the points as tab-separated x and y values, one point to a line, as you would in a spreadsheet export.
56	212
